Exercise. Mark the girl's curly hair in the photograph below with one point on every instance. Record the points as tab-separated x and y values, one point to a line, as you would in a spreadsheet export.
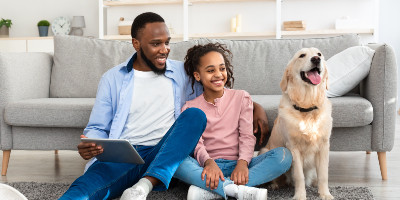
192	60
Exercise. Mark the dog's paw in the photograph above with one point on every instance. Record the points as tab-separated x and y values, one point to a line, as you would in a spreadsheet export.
314	183
326	196
263	150
274	185
300	196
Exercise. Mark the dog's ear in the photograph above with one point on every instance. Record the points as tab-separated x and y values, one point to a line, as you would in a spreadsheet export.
285	79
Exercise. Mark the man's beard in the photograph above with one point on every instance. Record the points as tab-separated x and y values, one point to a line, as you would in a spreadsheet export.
151	65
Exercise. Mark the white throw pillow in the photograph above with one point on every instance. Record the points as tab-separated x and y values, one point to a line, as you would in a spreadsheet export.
347	69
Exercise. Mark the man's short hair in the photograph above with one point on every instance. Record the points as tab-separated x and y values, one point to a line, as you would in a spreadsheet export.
141	21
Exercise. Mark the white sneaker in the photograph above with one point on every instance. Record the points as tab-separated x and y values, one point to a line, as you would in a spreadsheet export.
252	193
136	193
196	193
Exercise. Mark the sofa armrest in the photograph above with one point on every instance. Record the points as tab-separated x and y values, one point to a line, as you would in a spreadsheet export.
380	88
22	76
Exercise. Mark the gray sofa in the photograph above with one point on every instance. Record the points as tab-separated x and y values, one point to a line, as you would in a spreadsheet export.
46	100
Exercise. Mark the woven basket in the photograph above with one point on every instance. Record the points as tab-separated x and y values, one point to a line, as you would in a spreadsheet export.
124	30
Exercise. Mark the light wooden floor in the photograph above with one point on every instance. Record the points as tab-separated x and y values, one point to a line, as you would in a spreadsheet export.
345	169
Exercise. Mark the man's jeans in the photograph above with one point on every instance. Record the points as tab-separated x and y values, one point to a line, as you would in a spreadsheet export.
105	180
262	169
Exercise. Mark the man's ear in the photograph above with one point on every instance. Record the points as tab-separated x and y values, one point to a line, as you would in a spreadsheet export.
136	44
196	76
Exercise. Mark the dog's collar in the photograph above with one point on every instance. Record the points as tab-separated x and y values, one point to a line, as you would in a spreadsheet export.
304	109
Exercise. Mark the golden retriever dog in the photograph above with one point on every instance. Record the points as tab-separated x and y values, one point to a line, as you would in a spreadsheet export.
304	122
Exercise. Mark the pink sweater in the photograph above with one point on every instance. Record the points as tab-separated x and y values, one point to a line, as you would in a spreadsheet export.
229	131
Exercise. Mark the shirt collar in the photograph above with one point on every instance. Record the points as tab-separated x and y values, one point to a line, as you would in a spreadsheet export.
128	64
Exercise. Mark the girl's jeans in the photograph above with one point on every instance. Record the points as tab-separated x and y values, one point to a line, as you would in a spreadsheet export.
106	180
262	169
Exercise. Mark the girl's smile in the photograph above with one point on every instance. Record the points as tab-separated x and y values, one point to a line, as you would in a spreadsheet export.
212	74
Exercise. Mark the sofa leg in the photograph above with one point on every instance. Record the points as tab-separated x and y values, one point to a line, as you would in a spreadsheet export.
6	158
55	151
368	152
382	164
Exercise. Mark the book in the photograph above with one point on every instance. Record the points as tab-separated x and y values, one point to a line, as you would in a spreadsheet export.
294	24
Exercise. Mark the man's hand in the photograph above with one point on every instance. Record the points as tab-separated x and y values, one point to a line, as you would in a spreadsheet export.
213	172
88	150
260	121
240	174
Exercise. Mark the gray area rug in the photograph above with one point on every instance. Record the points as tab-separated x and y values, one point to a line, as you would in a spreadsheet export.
178	190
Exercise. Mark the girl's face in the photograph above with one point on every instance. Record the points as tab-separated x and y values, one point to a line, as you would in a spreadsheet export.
212	72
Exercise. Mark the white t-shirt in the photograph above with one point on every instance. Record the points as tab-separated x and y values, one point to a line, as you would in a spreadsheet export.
152	110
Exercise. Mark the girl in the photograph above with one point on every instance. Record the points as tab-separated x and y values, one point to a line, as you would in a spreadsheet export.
224	160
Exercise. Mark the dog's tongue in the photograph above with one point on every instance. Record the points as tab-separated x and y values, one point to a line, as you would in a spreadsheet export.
314	77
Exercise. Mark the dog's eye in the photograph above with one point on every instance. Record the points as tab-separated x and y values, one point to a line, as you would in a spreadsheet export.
319	54
302	55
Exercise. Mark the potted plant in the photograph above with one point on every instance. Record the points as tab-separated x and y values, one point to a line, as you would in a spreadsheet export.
5	25
43	26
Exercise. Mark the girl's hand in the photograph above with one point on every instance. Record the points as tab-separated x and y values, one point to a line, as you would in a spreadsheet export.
213	173
240	174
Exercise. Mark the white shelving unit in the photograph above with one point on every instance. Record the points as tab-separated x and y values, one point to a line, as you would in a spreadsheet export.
27	44
239	35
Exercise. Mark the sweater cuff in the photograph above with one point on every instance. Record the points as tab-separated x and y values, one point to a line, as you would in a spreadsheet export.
246	158
204	159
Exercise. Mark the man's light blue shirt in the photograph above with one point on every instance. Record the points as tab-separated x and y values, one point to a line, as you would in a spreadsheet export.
114	97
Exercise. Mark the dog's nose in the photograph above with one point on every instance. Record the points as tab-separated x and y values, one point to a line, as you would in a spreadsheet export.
316	60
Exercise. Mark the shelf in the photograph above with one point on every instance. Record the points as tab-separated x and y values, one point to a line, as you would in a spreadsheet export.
278	33
27	44
202	35
153	2
232	34
27	38
128	37
327	32
255	34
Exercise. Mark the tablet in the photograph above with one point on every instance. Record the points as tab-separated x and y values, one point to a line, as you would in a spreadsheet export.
116	150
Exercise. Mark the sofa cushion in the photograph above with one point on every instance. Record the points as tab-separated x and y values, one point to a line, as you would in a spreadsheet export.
347	111
179	49
50	112
269	58
80	62
351	111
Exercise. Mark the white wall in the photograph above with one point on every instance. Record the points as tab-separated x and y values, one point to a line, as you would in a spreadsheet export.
257	16
390	30
25	14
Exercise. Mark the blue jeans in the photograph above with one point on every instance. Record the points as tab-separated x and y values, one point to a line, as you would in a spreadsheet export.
262	169
106	180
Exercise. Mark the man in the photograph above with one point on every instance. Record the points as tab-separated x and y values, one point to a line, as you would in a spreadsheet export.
140	100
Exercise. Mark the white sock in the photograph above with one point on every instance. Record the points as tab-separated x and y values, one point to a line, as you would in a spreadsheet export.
145	184
232	190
